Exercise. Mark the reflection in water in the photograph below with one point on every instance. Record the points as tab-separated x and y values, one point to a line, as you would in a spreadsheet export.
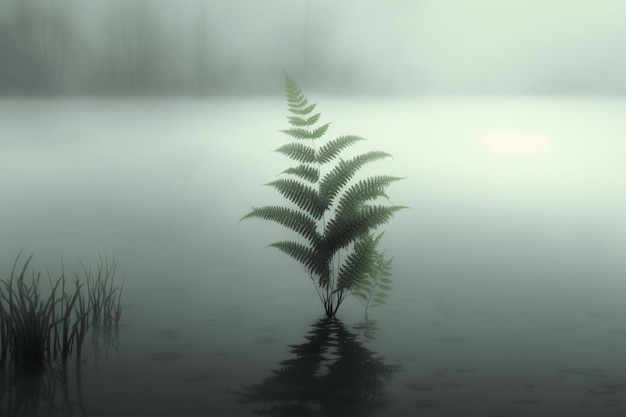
367	329
51	391
332	374
25	393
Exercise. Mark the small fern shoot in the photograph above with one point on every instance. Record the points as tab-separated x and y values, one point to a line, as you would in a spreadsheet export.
332	211
371	288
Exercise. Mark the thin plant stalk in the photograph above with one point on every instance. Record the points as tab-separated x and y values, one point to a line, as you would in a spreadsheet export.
34	329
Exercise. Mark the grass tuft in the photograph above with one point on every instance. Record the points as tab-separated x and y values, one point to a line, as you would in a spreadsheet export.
36	329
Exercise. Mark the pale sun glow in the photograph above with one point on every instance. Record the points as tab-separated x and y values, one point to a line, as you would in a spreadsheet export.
519	144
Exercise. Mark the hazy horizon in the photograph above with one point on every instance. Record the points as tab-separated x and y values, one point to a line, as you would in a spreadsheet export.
508	269
443	47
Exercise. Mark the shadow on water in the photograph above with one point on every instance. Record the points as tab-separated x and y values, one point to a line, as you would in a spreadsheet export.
332	374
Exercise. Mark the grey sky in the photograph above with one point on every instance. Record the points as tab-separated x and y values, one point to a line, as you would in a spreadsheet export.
414	46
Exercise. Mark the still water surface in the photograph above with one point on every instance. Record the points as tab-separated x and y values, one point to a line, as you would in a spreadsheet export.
509	268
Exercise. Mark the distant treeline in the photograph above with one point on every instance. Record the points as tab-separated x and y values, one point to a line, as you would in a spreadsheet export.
45	50
133	47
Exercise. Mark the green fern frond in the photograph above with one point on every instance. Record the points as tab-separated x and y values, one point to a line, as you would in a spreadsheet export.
301	121
314	260
294	93
295	220
371	287
300	133
313	119
303	111
358	263
363	284
297	100
384	269
295	97
343	230
301	195
303	254
377	215
334	147
360	295
363	191
297	133
298	152
338	177
306	172
320	131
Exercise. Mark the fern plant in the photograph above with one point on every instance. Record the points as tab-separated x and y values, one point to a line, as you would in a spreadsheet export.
335	214
371	288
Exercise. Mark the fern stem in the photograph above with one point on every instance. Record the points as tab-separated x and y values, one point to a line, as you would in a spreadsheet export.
317	289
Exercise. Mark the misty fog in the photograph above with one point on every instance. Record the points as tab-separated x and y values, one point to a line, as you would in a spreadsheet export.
194	47
144	129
